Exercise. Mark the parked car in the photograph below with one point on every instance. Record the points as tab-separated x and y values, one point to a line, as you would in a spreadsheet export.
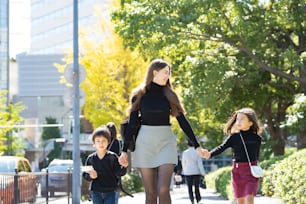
27	183
58	177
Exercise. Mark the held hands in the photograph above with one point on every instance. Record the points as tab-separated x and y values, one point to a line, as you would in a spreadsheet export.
123	159
203	153
93	174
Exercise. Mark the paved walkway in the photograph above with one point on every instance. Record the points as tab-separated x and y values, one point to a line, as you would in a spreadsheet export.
180	196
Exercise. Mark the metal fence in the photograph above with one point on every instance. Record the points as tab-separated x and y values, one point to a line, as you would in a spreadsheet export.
38	187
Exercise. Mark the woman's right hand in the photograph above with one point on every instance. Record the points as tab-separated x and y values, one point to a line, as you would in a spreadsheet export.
123	159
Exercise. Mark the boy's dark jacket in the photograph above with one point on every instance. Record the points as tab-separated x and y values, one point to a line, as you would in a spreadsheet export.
108	169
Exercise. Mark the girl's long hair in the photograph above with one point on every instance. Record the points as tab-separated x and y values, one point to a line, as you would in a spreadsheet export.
250	113
175	104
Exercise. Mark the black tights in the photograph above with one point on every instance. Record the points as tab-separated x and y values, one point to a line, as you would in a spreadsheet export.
156	182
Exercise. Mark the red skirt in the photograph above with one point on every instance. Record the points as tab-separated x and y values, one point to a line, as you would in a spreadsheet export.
242	180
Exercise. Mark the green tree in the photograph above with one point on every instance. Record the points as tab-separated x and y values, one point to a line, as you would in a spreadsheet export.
235	53
296	119
49	135
10	143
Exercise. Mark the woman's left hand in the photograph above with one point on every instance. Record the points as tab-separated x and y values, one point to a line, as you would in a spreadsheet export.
123	159
203	152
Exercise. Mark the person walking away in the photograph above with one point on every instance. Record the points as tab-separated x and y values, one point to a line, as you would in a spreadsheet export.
193	171
114	146
155	154
243	123
104	169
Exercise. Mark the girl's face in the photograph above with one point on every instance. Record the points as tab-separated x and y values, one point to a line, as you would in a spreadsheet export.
162	76
242	122
100	143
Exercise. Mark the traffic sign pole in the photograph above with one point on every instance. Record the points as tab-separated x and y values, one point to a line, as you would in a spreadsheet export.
76	184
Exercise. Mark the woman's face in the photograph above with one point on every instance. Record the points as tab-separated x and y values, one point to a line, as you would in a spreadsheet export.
162	76
242	122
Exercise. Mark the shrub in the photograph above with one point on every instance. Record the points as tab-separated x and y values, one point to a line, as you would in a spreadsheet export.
132	183
220	181
287	180
269	165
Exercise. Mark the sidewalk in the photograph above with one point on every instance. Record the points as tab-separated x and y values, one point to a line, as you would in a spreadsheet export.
179	195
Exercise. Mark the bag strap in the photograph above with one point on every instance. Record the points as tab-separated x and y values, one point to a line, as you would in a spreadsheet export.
246	151
110	145
120	146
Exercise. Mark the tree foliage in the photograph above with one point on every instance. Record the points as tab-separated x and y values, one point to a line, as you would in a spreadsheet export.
9	116
228	54
49	134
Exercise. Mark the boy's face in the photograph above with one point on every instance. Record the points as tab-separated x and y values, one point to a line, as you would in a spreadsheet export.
100	143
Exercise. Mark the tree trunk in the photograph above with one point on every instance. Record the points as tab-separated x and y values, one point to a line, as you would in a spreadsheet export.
278	141
301	139
278	135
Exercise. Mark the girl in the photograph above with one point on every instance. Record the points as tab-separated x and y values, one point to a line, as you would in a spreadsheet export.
156	152
243	123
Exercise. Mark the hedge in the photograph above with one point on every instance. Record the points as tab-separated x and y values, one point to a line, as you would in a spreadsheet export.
287	179
278	180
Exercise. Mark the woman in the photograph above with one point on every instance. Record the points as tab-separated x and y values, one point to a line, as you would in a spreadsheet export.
156	153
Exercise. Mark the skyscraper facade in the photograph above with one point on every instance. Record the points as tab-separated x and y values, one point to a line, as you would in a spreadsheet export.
52	23
4	44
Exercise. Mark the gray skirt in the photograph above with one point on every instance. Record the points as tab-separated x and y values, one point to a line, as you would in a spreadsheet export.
155	146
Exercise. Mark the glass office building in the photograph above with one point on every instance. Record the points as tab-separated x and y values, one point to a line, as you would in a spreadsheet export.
4	44
52	23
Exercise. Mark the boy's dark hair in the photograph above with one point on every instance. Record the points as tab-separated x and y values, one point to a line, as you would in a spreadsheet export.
101	131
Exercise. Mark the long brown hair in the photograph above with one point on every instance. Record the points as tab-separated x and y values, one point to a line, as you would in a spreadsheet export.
250	113
172	97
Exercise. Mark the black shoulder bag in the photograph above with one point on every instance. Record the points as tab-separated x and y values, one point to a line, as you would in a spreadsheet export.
123	128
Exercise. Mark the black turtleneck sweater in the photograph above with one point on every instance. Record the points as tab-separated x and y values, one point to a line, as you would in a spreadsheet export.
252	142
155	111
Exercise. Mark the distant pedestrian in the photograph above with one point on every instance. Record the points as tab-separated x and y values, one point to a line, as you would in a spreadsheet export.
243	124
193	171
104	169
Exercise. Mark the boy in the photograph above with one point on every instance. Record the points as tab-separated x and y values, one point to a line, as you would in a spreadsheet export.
105	169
